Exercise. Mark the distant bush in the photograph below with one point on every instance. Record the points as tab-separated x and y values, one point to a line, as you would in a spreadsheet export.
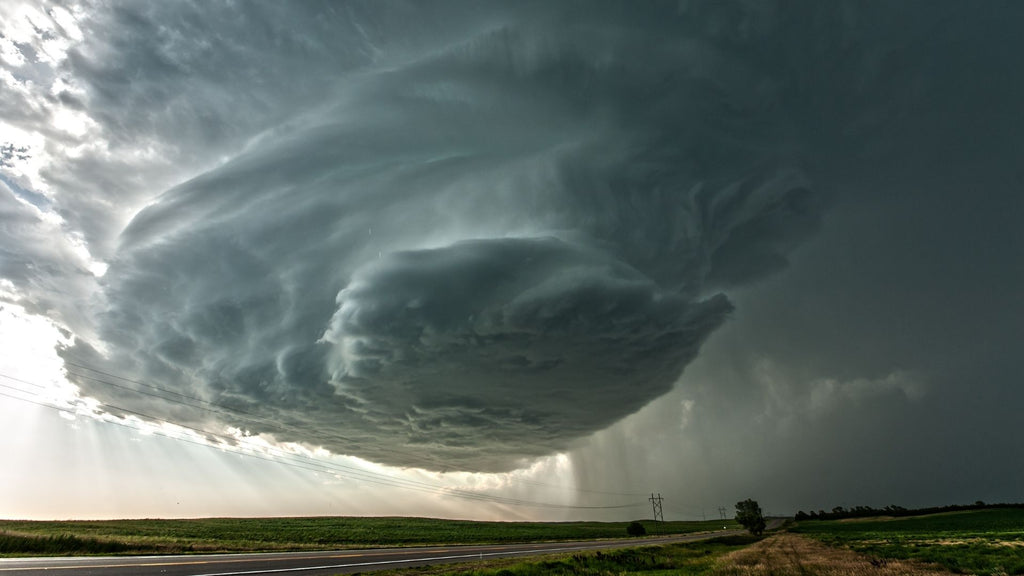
636	529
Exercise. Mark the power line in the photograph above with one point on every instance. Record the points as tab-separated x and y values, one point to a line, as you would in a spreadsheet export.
147	385
269	425
230	411
273	425
212	407
313	464
20	381
575	489
659	514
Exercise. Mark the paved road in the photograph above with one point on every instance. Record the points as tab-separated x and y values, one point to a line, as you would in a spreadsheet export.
306	563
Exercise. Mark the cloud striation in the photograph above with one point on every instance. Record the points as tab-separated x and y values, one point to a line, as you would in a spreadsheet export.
473	249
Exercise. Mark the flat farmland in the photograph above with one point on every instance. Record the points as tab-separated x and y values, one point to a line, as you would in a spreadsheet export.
984	542
208	535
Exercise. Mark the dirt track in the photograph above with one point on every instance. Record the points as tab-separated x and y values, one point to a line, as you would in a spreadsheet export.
785	554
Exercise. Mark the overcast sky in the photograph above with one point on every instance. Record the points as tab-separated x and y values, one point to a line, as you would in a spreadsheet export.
509	260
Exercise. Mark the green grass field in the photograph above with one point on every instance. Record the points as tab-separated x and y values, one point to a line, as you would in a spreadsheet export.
980	542
278	534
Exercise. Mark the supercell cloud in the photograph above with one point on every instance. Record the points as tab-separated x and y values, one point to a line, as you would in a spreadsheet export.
473	247
773	248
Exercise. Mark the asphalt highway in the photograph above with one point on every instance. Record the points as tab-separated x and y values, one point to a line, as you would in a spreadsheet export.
308	563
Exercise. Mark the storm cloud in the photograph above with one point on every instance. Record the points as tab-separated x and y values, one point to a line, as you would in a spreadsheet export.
472	256
769	247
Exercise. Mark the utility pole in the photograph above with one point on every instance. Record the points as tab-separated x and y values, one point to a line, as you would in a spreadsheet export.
656	504
721	512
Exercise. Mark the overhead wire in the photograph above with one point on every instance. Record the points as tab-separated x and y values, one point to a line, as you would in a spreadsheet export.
151	431
269	425
576	489
219	408
212	407
19	380
314	465
280	456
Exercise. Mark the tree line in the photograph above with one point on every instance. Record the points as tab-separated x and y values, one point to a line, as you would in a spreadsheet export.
839	512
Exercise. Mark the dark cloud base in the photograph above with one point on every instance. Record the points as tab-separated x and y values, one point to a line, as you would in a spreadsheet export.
460	235
471	255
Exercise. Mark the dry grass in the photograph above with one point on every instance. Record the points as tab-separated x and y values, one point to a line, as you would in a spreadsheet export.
963	541
790	554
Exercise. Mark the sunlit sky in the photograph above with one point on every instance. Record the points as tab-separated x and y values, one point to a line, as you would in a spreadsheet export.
508	260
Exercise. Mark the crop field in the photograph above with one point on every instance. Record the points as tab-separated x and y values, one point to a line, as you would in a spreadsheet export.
315	533
984	542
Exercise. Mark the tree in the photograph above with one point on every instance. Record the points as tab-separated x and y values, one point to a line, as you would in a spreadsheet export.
636	529
749	515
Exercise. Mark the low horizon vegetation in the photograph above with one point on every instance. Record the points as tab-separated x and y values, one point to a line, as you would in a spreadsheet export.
209	535
841	512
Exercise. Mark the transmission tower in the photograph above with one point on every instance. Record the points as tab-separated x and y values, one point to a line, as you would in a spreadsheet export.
721	512
659	516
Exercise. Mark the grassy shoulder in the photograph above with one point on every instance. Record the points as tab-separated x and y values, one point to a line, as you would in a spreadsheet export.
690	558
983	542
779	554
209	535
